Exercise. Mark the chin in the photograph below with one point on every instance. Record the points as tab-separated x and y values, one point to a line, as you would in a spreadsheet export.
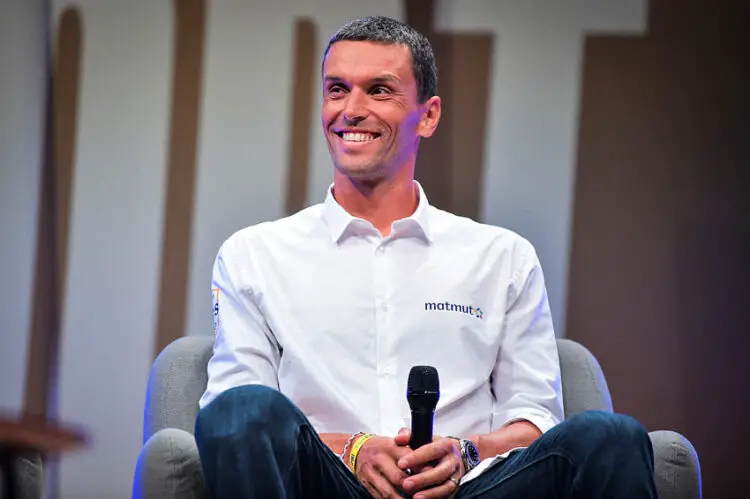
360	171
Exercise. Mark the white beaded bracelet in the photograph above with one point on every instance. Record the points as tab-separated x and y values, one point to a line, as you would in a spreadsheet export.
348	443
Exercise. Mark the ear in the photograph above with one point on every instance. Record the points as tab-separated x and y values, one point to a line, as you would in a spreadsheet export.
430	117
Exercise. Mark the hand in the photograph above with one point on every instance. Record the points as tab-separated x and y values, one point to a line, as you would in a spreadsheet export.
377	470
431	482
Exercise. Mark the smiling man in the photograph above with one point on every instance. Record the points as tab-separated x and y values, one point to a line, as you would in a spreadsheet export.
320	316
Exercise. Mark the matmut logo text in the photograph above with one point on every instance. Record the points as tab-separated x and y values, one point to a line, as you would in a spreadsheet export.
452	307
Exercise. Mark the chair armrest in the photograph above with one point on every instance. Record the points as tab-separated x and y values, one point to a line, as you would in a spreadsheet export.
28	475
177	380
169	467
676	466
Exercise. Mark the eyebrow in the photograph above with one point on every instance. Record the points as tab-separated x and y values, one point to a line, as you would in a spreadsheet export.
378	79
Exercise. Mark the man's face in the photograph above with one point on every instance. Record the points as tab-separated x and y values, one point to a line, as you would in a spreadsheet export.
371	115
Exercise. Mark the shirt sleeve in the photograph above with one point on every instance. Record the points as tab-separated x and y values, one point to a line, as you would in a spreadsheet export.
245	351
526	380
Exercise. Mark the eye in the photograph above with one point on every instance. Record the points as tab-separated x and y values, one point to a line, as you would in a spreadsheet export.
335	90
380	90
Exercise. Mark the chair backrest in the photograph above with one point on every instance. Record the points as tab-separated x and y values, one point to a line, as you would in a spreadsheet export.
178	379
583	382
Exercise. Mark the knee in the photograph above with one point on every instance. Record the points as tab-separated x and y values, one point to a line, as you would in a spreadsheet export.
607	432
245	411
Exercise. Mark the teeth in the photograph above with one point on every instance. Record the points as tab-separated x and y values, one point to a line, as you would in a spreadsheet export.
358	137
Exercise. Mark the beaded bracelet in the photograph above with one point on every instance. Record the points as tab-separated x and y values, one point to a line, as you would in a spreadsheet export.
348	443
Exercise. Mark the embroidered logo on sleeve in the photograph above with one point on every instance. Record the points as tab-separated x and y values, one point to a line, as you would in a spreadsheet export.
215	299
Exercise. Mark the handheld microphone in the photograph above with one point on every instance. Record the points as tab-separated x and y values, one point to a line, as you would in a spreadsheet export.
422	393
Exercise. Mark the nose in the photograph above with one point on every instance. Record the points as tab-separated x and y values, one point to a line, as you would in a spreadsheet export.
356	109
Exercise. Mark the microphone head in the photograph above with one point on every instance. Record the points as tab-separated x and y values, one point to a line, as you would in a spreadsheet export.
423	388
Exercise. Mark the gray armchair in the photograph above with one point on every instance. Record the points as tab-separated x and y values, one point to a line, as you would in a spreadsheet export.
168	465
26	478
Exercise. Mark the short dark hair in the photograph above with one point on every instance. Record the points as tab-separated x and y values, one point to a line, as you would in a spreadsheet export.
386	30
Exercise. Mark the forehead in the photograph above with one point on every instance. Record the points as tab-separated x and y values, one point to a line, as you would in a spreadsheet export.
368	60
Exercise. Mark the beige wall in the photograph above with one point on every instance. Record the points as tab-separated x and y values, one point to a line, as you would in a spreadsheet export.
22	48
114	239
563	138
660	261
532	121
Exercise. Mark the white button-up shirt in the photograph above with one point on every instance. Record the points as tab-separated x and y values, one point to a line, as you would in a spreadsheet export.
323	308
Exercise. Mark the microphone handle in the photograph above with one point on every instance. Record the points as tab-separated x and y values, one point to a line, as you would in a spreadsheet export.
421	428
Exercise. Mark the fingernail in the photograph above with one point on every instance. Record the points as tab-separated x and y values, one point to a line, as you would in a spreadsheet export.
402	463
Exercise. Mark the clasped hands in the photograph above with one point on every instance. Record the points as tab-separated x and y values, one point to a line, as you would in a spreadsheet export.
388	467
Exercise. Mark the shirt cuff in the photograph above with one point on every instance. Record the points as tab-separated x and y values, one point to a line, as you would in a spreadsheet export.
543	422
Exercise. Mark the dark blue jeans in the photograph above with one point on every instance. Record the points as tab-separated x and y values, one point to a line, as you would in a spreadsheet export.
255	443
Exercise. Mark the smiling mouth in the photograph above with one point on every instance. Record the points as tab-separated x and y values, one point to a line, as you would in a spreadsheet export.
358	137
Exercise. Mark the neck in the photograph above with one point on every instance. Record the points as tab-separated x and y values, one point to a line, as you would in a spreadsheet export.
380	202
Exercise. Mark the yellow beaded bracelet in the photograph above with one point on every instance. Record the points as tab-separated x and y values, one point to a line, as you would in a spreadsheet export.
355	450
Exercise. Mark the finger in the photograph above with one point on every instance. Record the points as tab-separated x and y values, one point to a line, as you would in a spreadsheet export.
398	453
448	489
370	489
381	487
436	476
377	485
403	437
419	469
426	454
402	440
369	474
386	466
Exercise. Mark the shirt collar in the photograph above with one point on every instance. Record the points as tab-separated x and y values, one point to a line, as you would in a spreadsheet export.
339	221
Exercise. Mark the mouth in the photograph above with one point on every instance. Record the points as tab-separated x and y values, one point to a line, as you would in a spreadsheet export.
356	137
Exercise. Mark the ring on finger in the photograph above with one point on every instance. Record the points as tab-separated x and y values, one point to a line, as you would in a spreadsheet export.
455	481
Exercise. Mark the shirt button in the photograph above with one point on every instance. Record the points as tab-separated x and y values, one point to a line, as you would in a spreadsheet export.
384	307
381	249
387	371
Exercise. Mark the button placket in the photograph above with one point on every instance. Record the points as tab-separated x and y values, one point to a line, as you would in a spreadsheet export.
381	318
392	391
